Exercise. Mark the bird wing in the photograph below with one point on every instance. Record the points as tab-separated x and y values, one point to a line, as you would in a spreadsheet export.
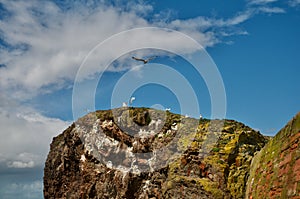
150	58
138	59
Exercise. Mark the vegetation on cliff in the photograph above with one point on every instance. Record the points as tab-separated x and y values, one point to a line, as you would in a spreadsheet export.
275	170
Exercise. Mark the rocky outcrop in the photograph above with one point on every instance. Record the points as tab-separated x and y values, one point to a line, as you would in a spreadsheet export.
275	170
146	153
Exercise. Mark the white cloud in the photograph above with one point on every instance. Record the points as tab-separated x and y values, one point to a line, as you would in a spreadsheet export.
261	1
238	19
26	136
274	10
203	23
30	190
56	41
20	164
30	186
24	160
294	3
141	8
264	6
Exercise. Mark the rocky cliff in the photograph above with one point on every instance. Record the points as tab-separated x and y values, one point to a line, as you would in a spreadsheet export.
275	170
145	153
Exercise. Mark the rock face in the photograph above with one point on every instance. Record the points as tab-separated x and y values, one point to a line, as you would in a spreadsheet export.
275	170
145	153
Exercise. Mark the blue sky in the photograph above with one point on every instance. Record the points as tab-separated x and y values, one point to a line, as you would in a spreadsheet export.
254	44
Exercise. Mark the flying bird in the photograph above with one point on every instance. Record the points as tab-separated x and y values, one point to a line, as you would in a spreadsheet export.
144	60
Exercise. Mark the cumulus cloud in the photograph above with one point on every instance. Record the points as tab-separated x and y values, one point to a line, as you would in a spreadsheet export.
26	136
19	164
48	44
24	160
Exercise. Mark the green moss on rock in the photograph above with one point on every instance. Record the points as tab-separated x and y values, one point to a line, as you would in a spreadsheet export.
275	169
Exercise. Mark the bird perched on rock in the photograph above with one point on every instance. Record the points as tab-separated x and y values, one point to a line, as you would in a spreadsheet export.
144	60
